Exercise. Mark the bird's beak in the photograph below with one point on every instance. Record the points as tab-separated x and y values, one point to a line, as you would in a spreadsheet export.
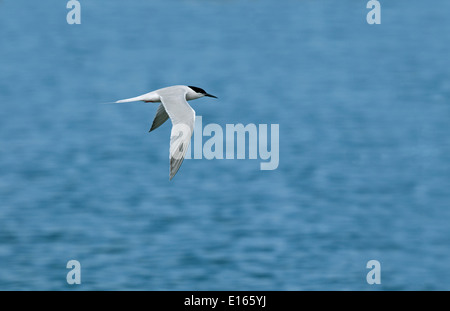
209	95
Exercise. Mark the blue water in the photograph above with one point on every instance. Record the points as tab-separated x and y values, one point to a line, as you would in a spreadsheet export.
364	171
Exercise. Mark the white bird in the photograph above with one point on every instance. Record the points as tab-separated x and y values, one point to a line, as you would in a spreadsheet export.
174	105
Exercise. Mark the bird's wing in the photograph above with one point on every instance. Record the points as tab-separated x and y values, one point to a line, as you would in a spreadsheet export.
183	120
160	117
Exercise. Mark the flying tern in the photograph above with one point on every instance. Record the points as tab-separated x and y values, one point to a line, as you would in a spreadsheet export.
174	105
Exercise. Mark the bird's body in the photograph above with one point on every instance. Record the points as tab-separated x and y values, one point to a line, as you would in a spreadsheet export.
155	96
174	105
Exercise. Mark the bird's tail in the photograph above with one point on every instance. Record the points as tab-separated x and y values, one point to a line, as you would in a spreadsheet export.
129	100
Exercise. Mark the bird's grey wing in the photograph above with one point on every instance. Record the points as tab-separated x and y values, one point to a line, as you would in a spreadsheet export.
160	117
183	120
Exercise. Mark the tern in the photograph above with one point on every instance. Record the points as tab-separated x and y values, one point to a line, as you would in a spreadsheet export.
174	105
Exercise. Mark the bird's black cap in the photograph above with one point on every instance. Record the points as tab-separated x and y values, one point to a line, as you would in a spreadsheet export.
201	91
